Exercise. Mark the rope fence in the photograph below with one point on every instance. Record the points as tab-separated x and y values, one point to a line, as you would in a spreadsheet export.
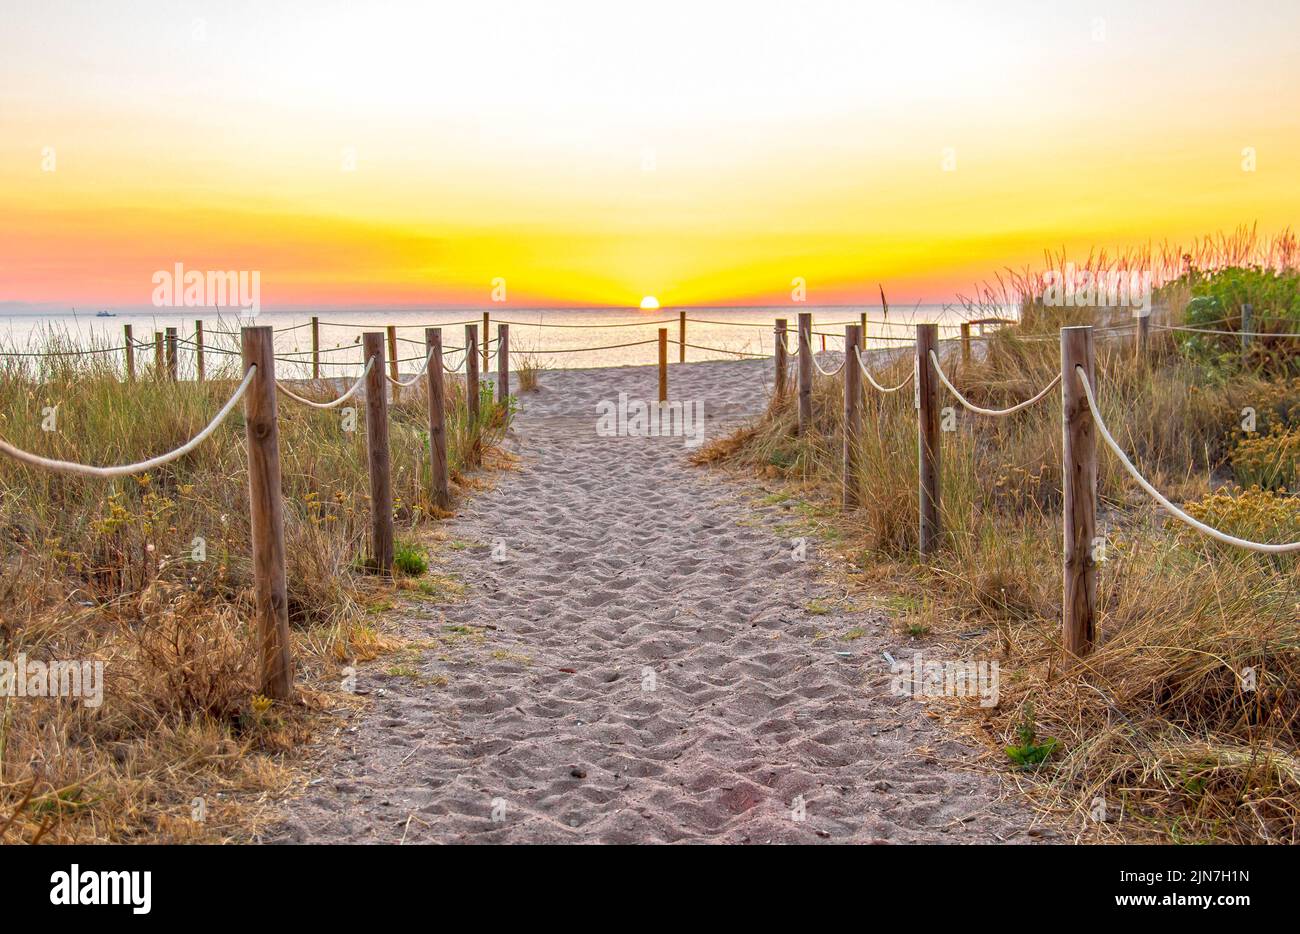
1082	424
258	389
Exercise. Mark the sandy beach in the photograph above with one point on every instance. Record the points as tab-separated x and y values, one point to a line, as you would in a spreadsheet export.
637	663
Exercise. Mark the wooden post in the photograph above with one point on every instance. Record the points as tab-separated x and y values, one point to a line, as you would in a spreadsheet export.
441	491
471	371
927	437
805	371
663	364
199	368
852	417
503	363
172	362
381	481
681	337
1247	325
1079	476
1142	337
266	515
157	355
129	334
486	335
862	329
862	347
782	363
315	347
392	361
965	344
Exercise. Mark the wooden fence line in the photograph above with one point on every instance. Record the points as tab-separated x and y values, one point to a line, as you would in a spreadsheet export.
503	361
441	487
381	481
266	515
663	364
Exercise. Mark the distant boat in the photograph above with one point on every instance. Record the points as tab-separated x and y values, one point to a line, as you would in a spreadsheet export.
105	314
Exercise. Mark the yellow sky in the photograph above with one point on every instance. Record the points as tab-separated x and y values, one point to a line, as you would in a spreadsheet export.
595	153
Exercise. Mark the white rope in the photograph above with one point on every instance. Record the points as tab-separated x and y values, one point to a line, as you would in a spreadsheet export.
826	372
329	405
126	470
857	352
1159	497
454	369
934	360
1189	330
411	382
784	338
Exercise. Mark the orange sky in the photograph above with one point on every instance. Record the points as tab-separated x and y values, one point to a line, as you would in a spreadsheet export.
588	154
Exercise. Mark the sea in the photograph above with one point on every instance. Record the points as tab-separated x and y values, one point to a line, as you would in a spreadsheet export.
565	338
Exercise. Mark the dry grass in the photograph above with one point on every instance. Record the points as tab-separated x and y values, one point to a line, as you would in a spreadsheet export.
107	571
528	369
1186	719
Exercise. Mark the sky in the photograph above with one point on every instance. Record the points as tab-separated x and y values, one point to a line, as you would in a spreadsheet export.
581	153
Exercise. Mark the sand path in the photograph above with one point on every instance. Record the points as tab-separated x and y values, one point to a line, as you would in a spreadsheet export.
650	673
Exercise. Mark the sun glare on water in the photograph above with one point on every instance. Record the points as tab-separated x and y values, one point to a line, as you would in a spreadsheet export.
649	303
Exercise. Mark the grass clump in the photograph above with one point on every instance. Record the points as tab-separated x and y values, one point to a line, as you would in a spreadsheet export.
410	560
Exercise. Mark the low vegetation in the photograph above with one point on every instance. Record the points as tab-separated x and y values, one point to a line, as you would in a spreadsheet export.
1184	724
150	575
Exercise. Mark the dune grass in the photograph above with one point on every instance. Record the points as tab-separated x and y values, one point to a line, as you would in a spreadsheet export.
151	575
1184	724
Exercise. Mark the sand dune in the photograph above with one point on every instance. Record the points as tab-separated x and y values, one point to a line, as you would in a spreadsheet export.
650	673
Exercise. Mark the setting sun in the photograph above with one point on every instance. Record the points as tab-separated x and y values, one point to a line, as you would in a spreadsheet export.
649	303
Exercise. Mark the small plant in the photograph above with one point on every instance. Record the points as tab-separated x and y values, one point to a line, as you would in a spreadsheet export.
1028	753
410	560
1269	461
528	367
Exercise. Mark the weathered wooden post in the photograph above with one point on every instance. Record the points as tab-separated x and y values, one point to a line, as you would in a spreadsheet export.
1142	337
486	335
927	436
852	416
861	349
805	371
782	362
965	344
129	335
471	371
200	369
381	481
663	364
681	337
171	352
503	363
158	366
315	347
1079	479
266	517
441	491
392	361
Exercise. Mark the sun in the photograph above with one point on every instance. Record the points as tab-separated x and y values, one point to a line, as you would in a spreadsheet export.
649	303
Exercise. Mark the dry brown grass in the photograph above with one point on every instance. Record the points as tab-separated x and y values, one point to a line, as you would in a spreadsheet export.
105	571
1160	723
